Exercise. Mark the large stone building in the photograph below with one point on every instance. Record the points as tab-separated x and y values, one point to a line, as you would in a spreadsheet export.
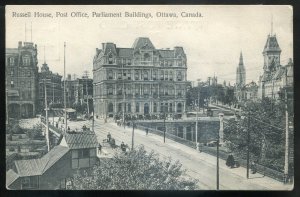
140	80
52	81
21	80
275	76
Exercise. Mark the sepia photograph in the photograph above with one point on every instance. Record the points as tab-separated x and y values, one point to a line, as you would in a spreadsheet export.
149	97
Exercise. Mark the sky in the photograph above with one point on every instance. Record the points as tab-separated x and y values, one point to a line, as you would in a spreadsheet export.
212	42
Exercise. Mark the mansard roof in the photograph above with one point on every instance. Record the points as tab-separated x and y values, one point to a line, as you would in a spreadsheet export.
109	48
125	52
142	42
272	44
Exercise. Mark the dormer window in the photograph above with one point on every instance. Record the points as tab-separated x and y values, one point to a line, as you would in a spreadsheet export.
12	61
26	60
110	59
146	57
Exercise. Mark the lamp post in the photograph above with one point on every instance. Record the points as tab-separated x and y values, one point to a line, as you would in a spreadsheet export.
132	135
219	136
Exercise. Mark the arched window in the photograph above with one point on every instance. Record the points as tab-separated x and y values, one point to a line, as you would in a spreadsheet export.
171	107
179	76
161	75
171	76
145	75
155	107
129	107
154	75
119	74
137	107
179	107
146	57
110	74
166	75
110	90
136	75
110	59
110	107
119	107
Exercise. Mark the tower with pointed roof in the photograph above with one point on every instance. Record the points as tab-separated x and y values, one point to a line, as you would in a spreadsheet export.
241	73
273	77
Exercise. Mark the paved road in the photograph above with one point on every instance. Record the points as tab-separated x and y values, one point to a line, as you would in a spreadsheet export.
200	166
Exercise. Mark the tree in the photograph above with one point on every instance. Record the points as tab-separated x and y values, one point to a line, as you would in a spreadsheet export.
267	133
35	132
136	169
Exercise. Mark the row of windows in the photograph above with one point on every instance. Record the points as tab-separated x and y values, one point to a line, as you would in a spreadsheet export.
22	73
22	84
164	107
25	61
144	75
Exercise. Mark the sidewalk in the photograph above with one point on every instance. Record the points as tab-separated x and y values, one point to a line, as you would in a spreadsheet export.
257	179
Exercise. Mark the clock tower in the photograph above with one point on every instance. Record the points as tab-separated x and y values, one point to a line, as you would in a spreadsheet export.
271	54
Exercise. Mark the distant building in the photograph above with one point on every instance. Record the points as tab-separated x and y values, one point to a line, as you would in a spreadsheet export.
78	90
275	76
53	85
75	151
140	80
21	80
240	79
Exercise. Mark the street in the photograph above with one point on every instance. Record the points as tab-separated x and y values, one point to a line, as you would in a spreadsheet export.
200	166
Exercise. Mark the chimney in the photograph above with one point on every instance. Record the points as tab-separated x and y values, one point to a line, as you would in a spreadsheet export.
69	77
20	44
103	44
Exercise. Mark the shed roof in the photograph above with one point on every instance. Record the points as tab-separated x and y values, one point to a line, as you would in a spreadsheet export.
11	176
34	167
78	140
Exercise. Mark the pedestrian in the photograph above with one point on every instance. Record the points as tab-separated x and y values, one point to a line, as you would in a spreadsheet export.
108	137
69	129
99	148
147	131
123	147
230	161
253	167
56	124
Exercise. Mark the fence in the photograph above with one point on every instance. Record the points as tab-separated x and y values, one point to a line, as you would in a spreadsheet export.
213	151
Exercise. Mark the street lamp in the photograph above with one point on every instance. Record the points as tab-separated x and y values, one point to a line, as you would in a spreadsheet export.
219	136
164	117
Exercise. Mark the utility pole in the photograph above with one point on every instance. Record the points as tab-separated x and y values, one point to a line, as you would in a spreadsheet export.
93	124
86	90
123	96
47	122
65	104
218	175
197	111
132	136
286	153
248	145
164	127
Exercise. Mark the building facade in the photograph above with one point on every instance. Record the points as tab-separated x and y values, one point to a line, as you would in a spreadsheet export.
52	81
78	90
141	80
275	76
21	80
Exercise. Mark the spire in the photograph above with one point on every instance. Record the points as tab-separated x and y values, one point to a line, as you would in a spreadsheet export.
271	24
241	59
44	56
